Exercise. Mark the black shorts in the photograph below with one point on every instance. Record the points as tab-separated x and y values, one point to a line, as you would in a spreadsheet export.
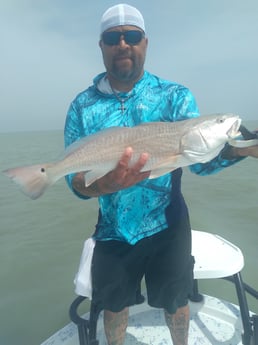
164	259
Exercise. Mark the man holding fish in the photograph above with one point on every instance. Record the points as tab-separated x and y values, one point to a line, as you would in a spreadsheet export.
143	227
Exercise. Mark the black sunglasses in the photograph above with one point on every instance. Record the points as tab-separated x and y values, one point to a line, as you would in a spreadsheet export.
131	37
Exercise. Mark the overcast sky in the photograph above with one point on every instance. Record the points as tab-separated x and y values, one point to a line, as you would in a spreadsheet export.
49	53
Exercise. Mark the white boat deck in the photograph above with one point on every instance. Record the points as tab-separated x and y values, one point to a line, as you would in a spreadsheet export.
212	322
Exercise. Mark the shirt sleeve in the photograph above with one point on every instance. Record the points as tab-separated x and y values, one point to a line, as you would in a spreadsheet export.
215	165
72	133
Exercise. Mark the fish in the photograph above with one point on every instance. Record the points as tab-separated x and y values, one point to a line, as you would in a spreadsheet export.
169	145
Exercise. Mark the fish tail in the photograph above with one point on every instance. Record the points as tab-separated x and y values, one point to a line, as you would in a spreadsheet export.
33	180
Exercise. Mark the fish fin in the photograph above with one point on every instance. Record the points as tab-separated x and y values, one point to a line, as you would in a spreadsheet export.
99	171
159	172
90	177
32	180
169	165
93	175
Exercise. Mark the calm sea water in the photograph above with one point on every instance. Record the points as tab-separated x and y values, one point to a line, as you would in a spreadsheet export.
41	240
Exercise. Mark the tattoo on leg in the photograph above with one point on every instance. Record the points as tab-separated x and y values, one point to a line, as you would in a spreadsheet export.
178	325
115	326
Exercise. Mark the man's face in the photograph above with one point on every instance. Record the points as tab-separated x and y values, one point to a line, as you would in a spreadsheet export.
124	61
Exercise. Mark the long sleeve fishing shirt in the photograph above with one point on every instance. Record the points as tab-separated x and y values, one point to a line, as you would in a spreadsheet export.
153	204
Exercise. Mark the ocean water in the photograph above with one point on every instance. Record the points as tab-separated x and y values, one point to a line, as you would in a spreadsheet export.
41	240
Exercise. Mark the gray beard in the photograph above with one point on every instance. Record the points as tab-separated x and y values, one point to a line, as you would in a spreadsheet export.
127	75
124	75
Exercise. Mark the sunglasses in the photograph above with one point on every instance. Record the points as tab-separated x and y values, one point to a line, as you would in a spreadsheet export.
131	37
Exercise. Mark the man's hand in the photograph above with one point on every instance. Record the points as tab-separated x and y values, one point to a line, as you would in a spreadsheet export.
123	176
251	151
251	137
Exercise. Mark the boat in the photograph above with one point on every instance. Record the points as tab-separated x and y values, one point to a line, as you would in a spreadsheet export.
213	321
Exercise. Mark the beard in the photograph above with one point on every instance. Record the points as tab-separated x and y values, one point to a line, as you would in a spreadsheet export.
127	70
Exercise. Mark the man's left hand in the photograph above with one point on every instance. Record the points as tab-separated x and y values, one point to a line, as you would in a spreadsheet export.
251	151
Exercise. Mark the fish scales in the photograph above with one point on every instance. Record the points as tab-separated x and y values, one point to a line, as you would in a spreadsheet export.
169	145
112	143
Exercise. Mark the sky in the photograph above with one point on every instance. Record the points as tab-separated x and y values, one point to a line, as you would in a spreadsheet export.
50	53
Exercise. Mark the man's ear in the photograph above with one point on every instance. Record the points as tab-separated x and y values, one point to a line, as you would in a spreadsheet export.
147	41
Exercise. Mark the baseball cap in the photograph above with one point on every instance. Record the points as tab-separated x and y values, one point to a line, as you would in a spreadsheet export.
121	14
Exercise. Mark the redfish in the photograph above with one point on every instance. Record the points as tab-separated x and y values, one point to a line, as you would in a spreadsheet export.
169	145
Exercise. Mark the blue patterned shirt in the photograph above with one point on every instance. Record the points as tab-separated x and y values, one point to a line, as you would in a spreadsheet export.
148	207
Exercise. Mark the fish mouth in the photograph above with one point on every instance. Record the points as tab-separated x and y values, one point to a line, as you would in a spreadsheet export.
234	132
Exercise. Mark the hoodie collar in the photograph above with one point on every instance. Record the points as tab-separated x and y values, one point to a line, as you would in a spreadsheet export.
103	86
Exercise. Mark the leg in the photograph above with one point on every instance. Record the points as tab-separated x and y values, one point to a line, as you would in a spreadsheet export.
115	326
178	325
117	269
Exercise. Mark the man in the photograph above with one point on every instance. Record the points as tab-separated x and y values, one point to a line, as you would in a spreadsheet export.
143	227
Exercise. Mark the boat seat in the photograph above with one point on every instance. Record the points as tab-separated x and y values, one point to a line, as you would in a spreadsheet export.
228	262
214	256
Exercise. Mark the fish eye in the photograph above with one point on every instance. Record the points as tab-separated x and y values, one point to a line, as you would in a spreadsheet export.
221	120
42	170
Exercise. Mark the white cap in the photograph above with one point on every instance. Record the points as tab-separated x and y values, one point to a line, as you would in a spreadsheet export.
121	14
